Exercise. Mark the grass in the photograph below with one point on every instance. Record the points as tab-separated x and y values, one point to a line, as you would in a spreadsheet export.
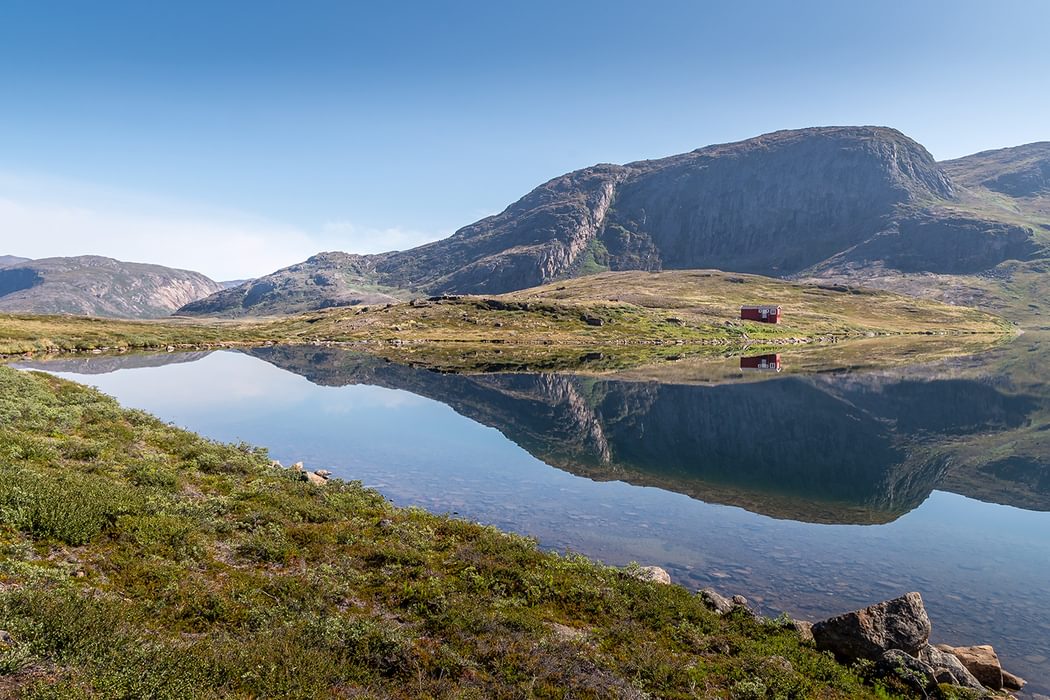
628	317
140	560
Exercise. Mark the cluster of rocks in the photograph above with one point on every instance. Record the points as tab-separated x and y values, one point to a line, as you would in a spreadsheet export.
318	477
894	634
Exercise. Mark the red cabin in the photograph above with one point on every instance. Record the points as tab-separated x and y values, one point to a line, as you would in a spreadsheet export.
761	362
762	314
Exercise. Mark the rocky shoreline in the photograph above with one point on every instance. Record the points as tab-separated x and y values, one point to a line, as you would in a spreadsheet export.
891	638
894	635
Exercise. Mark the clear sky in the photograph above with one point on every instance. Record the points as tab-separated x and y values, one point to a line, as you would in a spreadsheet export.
239	137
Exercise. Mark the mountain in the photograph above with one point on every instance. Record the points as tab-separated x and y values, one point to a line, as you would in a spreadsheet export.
1021	173
8	260
95	286
812	203
323	281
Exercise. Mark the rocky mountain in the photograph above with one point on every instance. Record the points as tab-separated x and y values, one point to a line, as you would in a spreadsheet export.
95	286
323	281
8	260
812	203
1021	173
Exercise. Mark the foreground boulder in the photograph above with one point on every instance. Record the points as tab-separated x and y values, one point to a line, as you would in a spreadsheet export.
901	623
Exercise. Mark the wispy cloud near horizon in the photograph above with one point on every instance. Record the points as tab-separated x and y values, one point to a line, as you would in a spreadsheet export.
51	218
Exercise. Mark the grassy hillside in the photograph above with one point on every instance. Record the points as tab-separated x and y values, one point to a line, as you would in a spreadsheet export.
140	560
611	320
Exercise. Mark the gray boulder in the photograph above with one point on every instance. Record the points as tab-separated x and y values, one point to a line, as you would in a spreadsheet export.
947	668
716	601
912	671
901	623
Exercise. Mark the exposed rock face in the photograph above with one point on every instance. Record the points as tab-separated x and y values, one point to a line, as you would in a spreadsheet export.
813	200
325	280
94	286
901	623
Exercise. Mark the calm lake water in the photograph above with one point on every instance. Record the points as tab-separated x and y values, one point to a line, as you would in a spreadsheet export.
809	493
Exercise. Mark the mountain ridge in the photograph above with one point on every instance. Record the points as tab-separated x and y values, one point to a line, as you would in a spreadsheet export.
808	203
92	285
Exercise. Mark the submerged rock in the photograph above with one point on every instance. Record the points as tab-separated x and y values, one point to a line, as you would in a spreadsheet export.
901	623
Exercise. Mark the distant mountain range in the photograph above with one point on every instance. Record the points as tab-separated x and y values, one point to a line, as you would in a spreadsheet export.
8	260
95	286
863	204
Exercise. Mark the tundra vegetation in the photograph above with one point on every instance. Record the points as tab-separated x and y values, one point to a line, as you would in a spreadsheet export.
141	560
631	318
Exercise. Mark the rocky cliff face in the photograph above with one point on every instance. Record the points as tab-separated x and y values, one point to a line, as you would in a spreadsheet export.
96	286
823	201
775	204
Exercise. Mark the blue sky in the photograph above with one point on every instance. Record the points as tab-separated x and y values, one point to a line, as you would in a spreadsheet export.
238	137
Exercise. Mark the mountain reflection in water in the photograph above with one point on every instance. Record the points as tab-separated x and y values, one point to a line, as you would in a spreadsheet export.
823	448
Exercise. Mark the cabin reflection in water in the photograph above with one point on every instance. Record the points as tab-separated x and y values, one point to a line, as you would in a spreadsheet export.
771	362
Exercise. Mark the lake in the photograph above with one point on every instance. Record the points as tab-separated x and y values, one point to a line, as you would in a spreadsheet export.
811	493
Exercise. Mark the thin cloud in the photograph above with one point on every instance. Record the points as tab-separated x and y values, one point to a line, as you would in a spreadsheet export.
358	239
52	218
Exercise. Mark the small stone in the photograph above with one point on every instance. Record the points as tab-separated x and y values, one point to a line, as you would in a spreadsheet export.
323	473
716	601
804	630
315	479
740	600
297	467
6	640
566	633
655	574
